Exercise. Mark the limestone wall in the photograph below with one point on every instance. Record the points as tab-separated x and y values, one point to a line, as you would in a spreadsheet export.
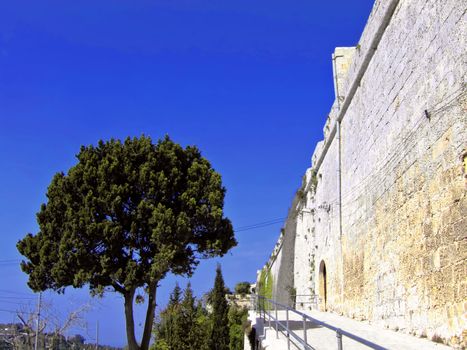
304	249
386	222
403	199
280	263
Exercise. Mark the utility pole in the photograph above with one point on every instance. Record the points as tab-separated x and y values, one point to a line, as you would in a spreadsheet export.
38	321
97	335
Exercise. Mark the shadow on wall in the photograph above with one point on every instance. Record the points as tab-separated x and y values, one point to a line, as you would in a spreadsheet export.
322	285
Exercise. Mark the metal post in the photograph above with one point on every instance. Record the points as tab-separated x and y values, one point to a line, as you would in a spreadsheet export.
258	305
288	334
269	315
97	335
304	330
277	327
261	308
339	339
38	321
257	308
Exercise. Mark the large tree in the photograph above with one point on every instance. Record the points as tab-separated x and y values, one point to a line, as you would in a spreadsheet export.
123	217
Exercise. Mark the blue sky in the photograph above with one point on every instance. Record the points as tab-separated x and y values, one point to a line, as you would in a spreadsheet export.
248	82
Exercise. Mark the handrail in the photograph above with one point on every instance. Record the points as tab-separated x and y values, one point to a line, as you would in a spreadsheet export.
305	317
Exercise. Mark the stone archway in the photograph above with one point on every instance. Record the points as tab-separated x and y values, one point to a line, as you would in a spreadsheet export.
322	286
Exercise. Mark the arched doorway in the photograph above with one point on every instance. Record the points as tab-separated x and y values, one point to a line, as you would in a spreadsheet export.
322	285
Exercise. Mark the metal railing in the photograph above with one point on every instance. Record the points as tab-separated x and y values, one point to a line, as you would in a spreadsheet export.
269	308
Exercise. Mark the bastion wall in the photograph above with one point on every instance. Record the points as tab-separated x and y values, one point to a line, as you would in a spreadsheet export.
378	229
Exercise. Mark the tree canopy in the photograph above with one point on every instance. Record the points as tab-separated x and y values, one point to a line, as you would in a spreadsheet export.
242	288
123	217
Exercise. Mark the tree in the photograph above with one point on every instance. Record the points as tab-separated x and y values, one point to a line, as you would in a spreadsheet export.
169	333
242	288
123	217
182	324
238	322
203	322
176	296
188	320
220	323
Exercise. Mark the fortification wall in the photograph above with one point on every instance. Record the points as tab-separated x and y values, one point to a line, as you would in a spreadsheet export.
280	264
304	260
404	200
388	214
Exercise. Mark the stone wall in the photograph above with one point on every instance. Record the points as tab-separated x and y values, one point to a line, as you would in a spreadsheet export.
281	261
383	213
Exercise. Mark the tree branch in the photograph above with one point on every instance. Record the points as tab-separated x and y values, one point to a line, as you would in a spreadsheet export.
130	323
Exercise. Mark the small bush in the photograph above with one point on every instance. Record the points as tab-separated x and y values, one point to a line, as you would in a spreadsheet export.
242	288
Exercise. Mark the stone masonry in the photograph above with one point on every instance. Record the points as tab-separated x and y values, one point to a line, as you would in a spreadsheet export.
378	229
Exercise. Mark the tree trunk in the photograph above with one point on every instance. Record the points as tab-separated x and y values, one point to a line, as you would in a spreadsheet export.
130	323
149	316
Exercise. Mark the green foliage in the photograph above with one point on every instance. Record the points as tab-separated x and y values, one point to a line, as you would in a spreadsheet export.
168	330
265	283
242	288
219	338
237	323
193	322
182	325
185	324
160	345
123	217
175	296
209	294
204	328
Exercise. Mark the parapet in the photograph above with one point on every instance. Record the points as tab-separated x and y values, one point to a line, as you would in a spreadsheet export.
349	67
341	60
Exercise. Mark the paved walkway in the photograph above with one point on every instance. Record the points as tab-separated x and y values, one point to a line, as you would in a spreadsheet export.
321	338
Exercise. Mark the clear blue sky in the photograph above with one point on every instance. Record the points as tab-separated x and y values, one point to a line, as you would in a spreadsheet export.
248	82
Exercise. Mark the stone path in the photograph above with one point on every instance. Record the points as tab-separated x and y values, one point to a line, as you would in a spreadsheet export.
321	338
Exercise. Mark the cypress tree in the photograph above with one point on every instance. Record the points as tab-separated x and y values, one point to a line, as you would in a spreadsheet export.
168	332
187	323
175	296
203	323
219	338
183	325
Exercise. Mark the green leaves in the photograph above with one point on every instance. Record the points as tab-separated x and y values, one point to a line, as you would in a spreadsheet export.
182	325
220	337
124	216
238	322
127	214
242	288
